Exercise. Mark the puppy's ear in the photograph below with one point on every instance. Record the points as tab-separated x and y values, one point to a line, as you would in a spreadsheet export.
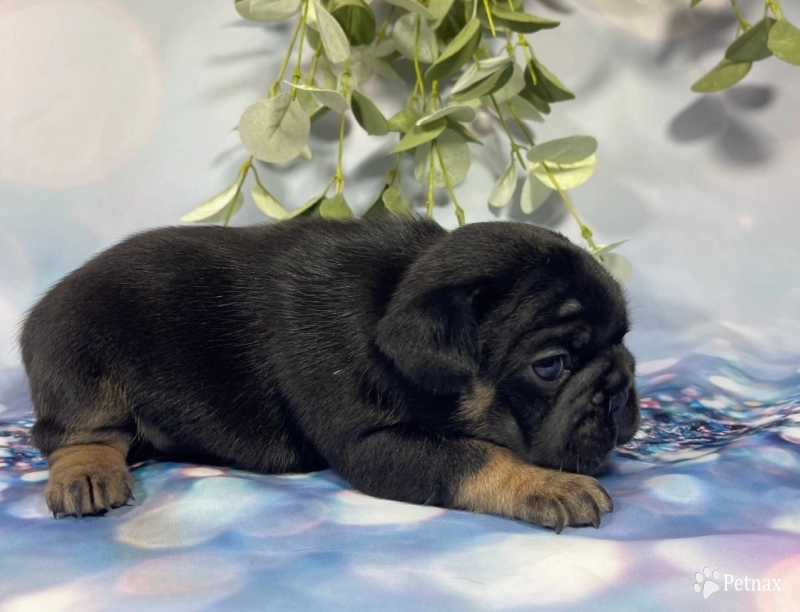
431	335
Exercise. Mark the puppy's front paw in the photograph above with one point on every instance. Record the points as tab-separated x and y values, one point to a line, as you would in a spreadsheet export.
509	487
87	479
558	500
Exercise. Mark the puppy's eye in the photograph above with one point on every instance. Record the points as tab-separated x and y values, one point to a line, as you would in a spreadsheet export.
550	368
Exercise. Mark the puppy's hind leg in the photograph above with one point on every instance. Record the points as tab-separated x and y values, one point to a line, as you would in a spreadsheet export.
86	450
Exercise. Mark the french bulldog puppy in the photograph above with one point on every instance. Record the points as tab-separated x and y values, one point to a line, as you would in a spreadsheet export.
481	369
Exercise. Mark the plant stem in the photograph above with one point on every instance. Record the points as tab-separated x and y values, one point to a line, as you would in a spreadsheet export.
391	176
489	16
385	24
459	210
775	7
739	17
243	170
298	71
417	70
514	146
431	175
585	231
273	90
339	176
314	61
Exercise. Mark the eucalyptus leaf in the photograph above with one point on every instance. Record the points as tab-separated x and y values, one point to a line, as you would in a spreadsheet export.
357	20
267	10
696	2
784	42
327	97
396	203
547	86
212	207
335	208
275	130
404	120
450	154
385	69
464	132
267	203
368	115
439	9
618	266
564	176
479	71
413	8
724	75
535	101
384	48
334	40
518	21
420	134
522	109
505	186
564	150
404	36
513	87
751	46
458	52
602	249
227	213
487	86
534	194
306	153
309	209
458	112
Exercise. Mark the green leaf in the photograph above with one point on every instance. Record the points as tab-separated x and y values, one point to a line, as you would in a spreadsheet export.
602	249
564	150
696	2
368	115
384	48
567	176
413	8
752	45
212	207
334	40
309	209
514	85
439	9
267	203
505	186
455	157
404	36
396	203
784	42
535	101
420	134
327	97
723	75
487	86
458	52
547	86
462	131
522	108
404	120
480	71
357	20
275	130
534	194
335	208
306	153
457	112
521	22
618	266
267	10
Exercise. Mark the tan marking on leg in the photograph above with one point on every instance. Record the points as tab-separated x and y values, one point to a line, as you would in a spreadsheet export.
507	486
88	478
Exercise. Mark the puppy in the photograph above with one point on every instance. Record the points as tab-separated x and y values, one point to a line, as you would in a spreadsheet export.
481	369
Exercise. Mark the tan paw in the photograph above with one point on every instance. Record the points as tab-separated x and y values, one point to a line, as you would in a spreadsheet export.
87	479
509	487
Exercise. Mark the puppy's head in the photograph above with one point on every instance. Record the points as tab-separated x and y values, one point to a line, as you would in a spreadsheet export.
527	329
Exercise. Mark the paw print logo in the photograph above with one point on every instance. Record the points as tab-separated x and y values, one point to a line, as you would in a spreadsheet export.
705	584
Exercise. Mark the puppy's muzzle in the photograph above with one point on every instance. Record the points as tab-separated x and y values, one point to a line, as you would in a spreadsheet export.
616	403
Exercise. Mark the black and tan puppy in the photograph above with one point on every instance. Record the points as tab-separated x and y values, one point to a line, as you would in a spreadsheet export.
481	369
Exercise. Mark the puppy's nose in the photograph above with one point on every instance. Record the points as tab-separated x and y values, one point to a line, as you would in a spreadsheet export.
617	403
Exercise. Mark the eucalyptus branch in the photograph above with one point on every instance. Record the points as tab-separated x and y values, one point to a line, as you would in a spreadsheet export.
459	211
739	17
775	7
586	233
417	70
298	72
515	150
431	184
339	176
273	90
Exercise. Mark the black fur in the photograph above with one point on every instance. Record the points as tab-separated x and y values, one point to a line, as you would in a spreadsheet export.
351	345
